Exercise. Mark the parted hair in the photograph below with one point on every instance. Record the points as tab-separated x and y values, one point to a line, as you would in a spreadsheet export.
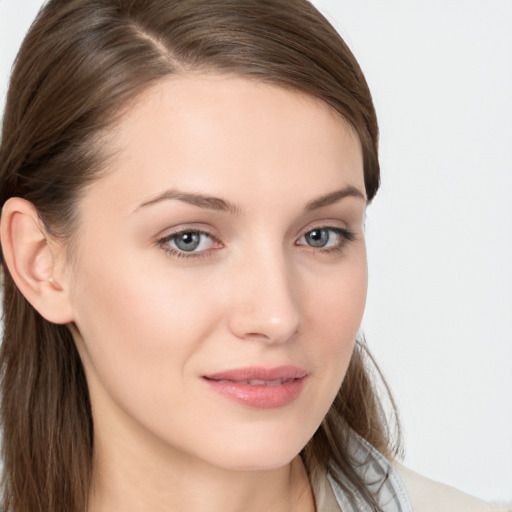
81	64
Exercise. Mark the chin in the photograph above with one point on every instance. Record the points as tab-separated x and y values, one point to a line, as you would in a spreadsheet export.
257	462
258	455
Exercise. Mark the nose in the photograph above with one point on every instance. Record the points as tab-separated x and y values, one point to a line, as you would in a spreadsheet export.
266	300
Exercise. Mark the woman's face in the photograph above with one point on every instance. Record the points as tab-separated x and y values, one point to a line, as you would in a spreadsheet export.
219	275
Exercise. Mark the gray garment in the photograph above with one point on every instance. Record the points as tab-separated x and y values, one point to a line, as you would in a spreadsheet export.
381	479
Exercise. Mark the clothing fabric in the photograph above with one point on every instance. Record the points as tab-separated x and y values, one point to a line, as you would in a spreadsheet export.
380	477
430	496
396	488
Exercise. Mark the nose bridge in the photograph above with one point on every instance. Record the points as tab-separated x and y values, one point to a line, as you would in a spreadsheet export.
267	304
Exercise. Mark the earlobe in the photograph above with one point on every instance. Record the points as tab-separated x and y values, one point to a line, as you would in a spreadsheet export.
33	261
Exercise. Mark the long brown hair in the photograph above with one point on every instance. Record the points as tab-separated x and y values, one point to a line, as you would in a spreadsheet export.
79	66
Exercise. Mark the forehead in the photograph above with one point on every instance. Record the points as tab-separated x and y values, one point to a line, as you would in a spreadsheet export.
230	135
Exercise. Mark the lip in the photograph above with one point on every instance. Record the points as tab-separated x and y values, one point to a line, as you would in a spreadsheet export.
270	387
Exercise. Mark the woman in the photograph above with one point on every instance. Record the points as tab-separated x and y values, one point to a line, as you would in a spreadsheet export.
184	186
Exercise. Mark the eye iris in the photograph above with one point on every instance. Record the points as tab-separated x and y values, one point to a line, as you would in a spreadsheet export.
188	241
318	238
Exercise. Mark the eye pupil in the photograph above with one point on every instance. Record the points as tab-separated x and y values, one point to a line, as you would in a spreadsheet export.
188	241
318	237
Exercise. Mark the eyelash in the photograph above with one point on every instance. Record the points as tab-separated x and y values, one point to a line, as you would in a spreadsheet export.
345	235
164	244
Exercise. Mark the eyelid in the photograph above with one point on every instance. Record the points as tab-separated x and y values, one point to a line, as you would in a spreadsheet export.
176	252
346	235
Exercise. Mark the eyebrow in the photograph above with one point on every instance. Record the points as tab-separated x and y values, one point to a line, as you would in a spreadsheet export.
218	204
334	197
200	200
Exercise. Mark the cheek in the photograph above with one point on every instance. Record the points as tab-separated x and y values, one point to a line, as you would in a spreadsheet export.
333	315
139	342
135	299
337	303
136	326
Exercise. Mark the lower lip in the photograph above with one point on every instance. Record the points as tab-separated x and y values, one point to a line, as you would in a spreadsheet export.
260	397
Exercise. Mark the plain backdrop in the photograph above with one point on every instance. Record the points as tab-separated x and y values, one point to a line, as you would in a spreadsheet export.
439	312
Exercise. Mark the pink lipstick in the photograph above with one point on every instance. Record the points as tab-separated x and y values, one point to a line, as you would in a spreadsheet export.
258	387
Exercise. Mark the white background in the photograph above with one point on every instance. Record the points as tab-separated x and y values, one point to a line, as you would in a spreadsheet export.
439	314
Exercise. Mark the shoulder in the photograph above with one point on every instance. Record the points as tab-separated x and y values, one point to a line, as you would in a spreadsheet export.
429	496
398	489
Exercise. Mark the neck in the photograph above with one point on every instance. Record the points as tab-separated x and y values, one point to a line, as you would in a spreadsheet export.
131	476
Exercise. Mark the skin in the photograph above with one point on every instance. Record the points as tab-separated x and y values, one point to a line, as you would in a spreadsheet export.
150	323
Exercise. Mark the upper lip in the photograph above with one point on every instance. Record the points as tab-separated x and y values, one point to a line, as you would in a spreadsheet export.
259	373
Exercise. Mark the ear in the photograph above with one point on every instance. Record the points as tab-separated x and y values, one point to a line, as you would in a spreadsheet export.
35	261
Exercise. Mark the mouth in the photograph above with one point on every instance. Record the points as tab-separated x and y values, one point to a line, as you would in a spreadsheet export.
257	387
255	382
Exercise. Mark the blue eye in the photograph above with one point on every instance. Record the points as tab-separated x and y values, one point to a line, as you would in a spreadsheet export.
197	243
188	241
318	237
326	238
